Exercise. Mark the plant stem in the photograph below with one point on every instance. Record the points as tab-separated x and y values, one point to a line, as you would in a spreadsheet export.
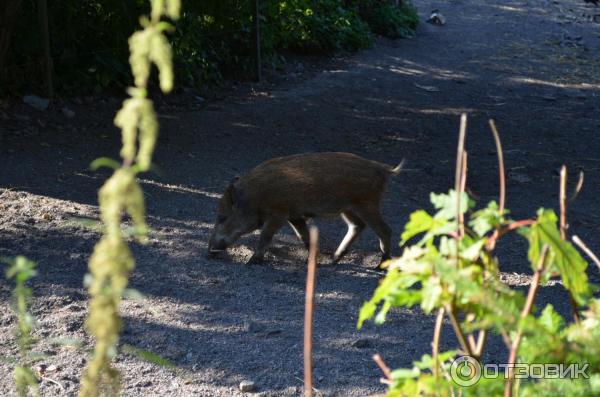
463	185
435	344
458	331
563	228
578	187
480	344
309	310
459	173
587	250
387	372
516	342
501	173
491	244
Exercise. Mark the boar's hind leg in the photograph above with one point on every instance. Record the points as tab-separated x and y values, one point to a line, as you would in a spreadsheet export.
301	230
355	226
269	229
372	217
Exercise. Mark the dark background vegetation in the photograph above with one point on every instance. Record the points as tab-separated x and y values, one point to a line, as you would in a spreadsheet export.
213	40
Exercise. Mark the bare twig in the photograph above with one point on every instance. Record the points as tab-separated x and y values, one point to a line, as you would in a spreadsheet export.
516	342
472	342
563	227
463	184
505	338
309	310
587	250
480	344
502	231
578	187
563	202
458	181
387	372
501	172
435	345
53	381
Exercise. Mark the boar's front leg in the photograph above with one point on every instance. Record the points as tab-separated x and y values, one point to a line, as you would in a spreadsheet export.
301	230
355	226
269	229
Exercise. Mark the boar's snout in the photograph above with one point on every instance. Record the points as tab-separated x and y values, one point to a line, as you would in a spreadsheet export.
217	244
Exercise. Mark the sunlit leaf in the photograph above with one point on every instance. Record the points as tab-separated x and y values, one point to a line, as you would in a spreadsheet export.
446	204
562	254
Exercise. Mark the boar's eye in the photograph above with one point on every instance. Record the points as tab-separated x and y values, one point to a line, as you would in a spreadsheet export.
221	218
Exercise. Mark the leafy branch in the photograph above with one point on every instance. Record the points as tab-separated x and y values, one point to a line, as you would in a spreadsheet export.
448	266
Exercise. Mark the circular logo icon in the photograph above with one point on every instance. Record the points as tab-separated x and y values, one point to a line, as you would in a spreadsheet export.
465	371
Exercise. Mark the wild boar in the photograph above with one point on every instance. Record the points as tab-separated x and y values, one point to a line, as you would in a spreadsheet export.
294	188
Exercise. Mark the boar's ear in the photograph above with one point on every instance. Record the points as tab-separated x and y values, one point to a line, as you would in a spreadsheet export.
237	196
229	191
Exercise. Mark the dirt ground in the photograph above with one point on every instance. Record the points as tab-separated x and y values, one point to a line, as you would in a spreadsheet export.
530	64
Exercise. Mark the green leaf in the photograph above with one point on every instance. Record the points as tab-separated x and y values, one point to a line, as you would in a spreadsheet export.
91	224
562	257
380	317
486	219
473	251
147	356
432	291
420	221
404	373
104	162
21	268
446	204
551	320
393	289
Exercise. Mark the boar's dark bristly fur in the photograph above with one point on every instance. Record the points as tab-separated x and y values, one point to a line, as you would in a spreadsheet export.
293	188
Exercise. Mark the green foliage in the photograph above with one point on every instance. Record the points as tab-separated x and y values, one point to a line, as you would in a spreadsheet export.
315	26
551	340
385	19
112	261
443	270
214	38
21	269
565	260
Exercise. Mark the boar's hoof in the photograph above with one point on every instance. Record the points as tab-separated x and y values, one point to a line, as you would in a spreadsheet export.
255	260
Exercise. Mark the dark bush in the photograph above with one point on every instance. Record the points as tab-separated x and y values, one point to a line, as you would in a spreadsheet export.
386	19
213	39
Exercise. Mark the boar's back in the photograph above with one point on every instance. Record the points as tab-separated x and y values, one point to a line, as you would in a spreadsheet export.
313	184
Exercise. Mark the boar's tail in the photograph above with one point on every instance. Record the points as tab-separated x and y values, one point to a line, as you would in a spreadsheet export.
396	170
